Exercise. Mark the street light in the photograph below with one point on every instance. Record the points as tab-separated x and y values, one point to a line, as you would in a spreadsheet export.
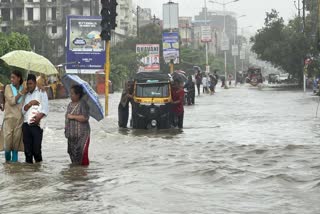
235	55
242	60
224	30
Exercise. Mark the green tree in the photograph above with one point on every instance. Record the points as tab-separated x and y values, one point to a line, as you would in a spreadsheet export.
285	46
11	42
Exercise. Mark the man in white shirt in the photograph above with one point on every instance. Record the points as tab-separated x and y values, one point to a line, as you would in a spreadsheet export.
35	108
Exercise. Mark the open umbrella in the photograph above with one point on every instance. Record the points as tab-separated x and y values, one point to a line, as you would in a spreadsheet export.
91	97
29	61
179	76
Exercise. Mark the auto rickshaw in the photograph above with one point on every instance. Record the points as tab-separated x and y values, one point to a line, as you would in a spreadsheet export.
151	100
254	76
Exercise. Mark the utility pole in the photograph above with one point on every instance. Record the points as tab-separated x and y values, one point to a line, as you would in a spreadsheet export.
108	23
138	22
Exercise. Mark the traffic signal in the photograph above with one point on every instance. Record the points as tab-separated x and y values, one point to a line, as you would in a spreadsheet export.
113	14
108	15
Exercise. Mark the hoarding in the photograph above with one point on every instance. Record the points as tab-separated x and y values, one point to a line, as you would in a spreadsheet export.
151	62
225	42
171	47
171	15
242	54
85	51
235	50
206	34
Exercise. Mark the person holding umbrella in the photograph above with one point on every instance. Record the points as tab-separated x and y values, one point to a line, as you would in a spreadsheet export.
77	128
11	135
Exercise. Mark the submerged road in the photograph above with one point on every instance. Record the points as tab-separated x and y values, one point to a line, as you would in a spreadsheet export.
243	150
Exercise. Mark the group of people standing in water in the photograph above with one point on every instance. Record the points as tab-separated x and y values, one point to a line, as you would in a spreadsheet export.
25	108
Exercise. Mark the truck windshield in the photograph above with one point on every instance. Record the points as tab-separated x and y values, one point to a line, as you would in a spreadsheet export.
152	90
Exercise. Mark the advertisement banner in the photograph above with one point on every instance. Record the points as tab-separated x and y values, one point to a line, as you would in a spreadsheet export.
235	50
206	34
171	47
243	54
225	42
171	15
151	62
85	51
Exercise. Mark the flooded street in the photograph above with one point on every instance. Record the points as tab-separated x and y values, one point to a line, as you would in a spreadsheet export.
243	150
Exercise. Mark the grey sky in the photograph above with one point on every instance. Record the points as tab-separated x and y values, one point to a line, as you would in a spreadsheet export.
254	9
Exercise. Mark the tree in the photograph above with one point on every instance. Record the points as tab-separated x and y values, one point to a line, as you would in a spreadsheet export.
284	46
11	42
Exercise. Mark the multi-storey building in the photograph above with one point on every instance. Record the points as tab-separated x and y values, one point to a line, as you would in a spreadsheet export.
49	16
185	30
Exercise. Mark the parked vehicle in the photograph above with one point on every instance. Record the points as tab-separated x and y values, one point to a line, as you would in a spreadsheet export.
151	101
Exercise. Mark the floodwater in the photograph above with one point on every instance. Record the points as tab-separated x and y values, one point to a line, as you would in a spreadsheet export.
243	150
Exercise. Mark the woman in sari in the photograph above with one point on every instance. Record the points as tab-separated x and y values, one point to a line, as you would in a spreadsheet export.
11	137
77	129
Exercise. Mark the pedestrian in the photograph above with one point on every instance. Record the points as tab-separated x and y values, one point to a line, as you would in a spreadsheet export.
123	107
223	81
77	127
198	78
11	133
213	82
35	109
205	84
177	104
190	86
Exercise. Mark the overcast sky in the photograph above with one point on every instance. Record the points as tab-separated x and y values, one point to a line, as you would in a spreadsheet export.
254	10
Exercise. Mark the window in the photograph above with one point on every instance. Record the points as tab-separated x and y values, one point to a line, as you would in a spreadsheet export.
30	0
5	13
18	15
43	14
5	0
152	90
54	13
30	14
4	29
54	29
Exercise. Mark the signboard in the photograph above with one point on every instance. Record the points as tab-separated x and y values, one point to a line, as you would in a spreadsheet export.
171	15
243	54
171	47
206	35
225	46
207	69
235	50
151	62
85	51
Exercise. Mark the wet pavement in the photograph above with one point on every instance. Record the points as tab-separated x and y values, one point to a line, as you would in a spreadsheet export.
243	150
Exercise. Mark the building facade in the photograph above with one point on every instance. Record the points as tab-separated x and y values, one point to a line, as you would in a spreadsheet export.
49	16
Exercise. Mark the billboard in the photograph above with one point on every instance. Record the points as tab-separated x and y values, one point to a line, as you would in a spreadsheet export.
171	15
151	62
242	54
225	45
171	47
85	51
235	50
206	35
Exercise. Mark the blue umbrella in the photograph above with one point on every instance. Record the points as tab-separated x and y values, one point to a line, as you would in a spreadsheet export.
91	97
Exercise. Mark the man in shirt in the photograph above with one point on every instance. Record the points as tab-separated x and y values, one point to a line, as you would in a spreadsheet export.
34	110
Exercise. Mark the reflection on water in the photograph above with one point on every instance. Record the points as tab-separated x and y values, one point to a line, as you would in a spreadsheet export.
256	148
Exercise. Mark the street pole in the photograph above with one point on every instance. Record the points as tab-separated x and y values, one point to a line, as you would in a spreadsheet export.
225	52
235	57
107	74
205	20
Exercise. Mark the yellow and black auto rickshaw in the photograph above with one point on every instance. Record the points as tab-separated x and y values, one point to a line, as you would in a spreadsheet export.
151	101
